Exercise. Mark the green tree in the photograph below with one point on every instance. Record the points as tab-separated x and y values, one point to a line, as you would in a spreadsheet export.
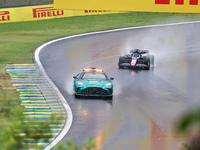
90	145
189	125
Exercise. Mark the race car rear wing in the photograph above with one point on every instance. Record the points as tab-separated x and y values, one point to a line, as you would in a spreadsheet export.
144	51
139	51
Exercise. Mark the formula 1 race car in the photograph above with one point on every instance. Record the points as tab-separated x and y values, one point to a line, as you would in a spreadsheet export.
93	82
137	59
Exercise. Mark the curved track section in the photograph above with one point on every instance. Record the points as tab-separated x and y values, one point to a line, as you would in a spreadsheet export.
69	117
146	104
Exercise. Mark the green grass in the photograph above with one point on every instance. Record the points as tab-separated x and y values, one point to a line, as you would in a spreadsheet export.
9	103
19	40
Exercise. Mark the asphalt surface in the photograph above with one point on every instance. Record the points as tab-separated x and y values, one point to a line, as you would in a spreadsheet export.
146	103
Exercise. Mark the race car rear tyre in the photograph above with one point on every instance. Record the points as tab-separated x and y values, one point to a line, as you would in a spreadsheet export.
121	60
151	60
147	62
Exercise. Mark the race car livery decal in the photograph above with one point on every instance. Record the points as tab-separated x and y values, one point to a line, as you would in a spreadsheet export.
125	64
4	15
133	62
141	65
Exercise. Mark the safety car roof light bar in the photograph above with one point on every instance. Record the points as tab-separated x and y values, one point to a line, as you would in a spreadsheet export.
92	69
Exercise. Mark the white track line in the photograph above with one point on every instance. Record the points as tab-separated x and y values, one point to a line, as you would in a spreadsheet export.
69	120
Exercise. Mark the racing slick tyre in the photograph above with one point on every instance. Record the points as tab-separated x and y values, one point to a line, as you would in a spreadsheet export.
121	60
151	60
147	62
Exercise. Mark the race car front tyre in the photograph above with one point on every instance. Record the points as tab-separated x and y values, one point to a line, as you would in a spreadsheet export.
121	60
147	62
77	96
151	60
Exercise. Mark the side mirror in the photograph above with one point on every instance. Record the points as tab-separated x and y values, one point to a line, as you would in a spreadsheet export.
74	77
111	78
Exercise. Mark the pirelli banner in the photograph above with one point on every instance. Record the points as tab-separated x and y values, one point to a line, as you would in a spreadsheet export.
179	6
41	12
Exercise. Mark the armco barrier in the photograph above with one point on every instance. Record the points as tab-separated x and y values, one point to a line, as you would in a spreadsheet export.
41	12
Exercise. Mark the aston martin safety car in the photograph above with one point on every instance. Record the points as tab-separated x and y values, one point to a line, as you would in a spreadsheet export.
93	82
137	58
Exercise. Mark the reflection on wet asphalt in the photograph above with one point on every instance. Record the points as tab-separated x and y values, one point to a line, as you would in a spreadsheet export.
146	103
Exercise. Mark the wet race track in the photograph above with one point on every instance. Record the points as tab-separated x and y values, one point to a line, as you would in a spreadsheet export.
146	103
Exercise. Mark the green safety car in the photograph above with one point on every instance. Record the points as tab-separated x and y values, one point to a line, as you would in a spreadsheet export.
93	82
